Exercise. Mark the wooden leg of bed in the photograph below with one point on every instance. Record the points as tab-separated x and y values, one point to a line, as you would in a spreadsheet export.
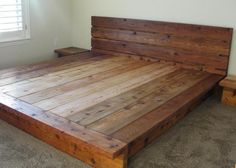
229	96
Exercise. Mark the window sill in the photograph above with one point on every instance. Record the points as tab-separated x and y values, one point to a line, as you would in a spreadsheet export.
14	42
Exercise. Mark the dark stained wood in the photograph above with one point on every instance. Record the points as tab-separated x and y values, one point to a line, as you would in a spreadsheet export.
161	53
211	46
161	26
70	51
151	59
206	47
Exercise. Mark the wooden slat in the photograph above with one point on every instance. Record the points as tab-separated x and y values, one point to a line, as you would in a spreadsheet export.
46	64
52	70
99	86
158	97
163	53
160	26
190	66
151	121
58	90
45	82
119	102
212	46
97	97
195	46
36	118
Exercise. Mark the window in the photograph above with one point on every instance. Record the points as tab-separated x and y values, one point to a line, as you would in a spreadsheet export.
14	20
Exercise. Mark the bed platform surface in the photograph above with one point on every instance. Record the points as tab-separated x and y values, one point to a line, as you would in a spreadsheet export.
107	95
104	106
103	94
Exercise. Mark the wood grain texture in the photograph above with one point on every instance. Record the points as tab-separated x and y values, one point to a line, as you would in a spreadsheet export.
105	108
63	142
52	70
61	89
146	129
229	90
146	104
60	77
30	118
229	82
94	88
206	47
87	96
100	96
12	72
229	96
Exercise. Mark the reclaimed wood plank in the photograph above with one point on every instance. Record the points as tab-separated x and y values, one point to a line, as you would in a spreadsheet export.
97	97
99	86
158	97
190	66
119	102
35	121
197	44
10	72
143	131
65	67
206	48
164	27
164	53
58	90
51	81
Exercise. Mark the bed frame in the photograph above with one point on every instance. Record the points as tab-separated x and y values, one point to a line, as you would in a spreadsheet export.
195	58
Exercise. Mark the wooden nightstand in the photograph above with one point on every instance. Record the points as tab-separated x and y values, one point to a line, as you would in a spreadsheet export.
69	51
229	92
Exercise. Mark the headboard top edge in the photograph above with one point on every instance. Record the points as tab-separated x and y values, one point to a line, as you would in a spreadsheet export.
226	28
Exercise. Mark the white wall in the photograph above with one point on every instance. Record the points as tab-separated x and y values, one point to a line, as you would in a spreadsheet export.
50	20
206	12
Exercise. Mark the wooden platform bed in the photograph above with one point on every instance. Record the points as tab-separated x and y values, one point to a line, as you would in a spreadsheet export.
104	106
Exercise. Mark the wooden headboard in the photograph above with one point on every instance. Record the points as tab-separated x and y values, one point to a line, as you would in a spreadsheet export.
205	48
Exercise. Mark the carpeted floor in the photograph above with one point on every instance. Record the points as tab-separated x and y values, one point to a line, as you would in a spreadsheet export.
206	138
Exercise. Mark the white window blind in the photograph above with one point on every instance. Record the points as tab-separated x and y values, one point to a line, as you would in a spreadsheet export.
14	20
